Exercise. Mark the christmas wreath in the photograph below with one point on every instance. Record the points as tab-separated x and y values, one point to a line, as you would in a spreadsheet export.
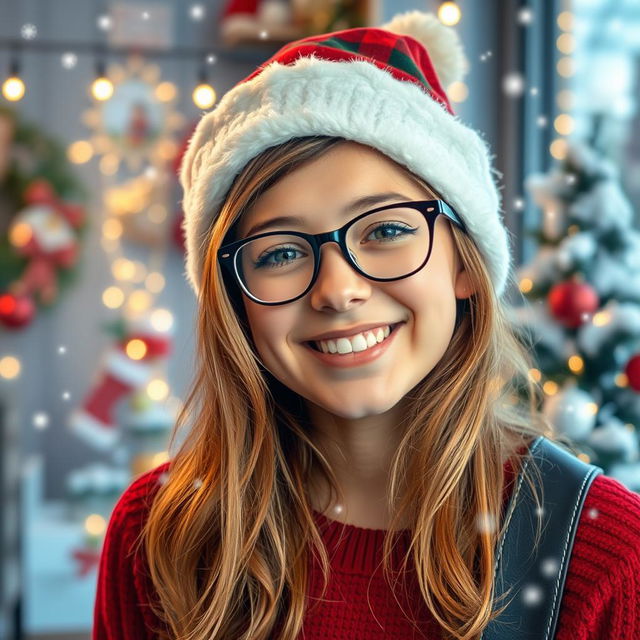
42	220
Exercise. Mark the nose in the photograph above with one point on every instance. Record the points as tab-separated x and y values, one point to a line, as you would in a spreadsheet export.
338	285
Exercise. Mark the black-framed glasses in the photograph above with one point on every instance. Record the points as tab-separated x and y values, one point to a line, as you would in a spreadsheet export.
387	243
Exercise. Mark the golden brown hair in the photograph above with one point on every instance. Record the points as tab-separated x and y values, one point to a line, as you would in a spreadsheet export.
228	534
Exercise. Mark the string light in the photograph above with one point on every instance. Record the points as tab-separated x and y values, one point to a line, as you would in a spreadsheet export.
204	96
13	88
102	87
449	13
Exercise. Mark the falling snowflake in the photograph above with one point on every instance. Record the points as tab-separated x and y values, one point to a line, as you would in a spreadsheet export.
540	512
66	395
593	513
146	15
163	477
29	31
525	16
196	12
197	483
518	203
40	420
211	59
513	84
533	91
532	595
62	349
264	35
571	178
542	121
104	22
550	567
69	60
151	173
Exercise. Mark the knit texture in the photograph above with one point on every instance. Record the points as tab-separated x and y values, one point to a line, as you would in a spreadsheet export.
601	598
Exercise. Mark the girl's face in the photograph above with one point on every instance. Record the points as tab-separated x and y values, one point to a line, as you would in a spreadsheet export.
424	303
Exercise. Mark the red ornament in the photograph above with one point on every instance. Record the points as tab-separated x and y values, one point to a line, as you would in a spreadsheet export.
569	301
16	312
632	371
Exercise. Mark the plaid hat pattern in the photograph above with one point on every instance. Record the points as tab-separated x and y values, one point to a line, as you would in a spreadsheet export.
382	87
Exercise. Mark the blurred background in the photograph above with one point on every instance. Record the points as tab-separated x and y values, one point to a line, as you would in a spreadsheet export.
96	318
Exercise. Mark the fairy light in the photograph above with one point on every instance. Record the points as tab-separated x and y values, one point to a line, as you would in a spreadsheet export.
558	149
95	524
136	349
458	91
80	151
449	13
102	87
139	301
621	380
9	367
13	88
550	388
575	364
166	91
162	320
113	297
526	285
112	228
154	282
158	389
20	234
204	96
564	124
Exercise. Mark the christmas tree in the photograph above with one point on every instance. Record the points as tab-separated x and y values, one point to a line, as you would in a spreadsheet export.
582	309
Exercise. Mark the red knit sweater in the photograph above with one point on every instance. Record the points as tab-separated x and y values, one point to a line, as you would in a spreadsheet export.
601	598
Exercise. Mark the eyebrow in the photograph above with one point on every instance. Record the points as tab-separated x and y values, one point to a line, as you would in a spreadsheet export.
358	203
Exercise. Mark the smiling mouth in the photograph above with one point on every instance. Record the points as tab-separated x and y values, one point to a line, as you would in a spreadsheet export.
392	328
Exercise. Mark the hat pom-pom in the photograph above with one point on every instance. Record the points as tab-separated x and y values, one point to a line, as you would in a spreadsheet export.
442	43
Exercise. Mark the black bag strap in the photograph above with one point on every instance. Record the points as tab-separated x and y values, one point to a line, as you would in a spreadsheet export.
534	601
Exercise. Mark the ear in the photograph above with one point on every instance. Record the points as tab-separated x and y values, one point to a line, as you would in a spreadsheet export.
463	288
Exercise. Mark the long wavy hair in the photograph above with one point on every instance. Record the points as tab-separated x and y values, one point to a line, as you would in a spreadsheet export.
228	534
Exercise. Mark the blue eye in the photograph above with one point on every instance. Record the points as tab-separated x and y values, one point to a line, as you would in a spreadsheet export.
403	229
264	259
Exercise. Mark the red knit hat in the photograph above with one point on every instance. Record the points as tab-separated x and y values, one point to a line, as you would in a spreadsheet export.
382	87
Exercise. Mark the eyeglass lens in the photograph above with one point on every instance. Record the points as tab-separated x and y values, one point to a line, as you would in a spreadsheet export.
389	243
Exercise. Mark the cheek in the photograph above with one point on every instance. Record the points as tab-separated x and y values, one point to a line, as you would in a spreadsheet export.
269	327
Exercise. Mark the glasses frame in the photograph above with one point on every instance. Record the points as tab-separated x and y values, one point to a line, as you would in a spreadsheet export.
430	209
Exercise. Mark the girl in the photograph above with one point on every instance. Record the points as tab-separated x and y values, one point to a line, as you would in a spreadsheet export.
354	430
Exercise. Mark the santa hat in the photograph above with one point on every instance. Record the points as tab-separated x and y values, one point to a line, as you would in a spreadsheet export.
382	87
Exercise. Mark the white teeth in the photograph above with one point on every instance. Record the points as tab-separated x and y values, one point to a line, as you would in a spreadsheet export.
359	342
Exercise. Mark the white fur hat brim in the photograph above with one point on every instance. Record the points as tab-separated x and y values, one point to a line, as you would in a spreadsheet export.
355	100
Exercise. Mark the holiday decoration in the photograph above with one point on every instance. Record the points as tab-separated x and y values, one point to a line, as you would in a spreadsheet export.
16	312
584	316
45	233
127	366
572	411
572	302
632	371
41	221
135	127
